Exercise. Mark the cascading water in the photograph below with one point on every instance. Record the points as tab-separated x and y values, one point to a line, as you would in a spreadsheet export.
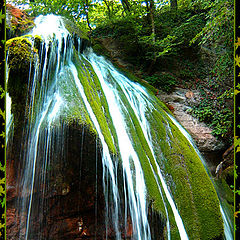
129	128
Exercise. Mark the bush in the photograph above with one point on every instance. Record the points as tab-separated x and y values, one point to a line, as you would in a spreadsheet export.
163	81
213	111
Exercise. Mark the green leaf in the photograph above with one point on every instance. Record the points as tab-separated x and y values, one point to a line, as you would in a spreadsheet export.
2	168
235	174
2	16
2	225
3	202
2	191
236	91
237	141
2	181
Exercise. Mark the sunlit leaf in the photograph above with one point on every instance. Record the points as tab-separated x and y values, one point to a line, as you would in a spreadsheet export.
237	59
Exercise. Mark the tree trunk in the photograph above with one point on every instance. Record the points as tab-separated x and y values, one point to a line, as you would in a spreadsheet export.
86	6
151	15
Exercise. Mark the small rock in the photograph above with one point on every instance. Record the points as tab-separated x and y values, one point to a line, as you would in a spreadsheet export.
189	94
65	190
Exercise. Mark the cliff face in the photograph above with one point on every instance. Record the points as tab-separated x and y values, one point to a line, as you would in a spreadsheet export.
73	191
61	183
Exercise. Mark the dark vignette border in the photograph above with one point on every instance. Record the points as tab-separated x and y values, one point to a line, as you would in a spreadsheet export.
237	121
2	120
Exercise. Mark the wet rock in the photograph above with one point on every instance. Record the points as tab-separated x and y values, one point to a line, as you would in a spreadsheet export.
72	205
67	207
13	224
228	160
111	49
10	180
189	94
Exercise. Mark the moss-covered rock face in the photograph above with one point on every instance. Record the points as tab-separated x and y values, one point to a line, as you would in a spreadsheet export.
20	54
99	49
74	29
77	33
193	191
182	169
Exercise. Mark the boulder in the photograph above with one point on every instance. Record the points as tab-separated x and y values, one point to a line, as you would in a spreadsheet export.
180	100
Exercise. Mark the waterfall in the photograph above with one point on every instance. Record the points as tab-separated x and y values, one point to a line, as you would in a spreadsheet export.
76	101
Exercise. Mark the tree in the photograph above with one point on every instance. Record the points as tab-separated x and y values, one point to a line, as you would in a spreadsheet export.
153	33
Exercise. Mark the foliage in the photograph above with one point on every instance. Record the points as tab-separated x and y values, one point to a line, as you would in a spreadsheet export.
20	21
188	29
141	46
163	81
160	46
217	35
217	38
178	35
74	10
212	110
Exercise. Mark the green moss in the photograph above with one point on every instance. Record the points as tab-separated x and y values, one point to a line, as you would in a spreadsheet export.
74	29
20	53
20	56
190	185
134	78
74	108
99	49
37	41
144	153
183	172
96	99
